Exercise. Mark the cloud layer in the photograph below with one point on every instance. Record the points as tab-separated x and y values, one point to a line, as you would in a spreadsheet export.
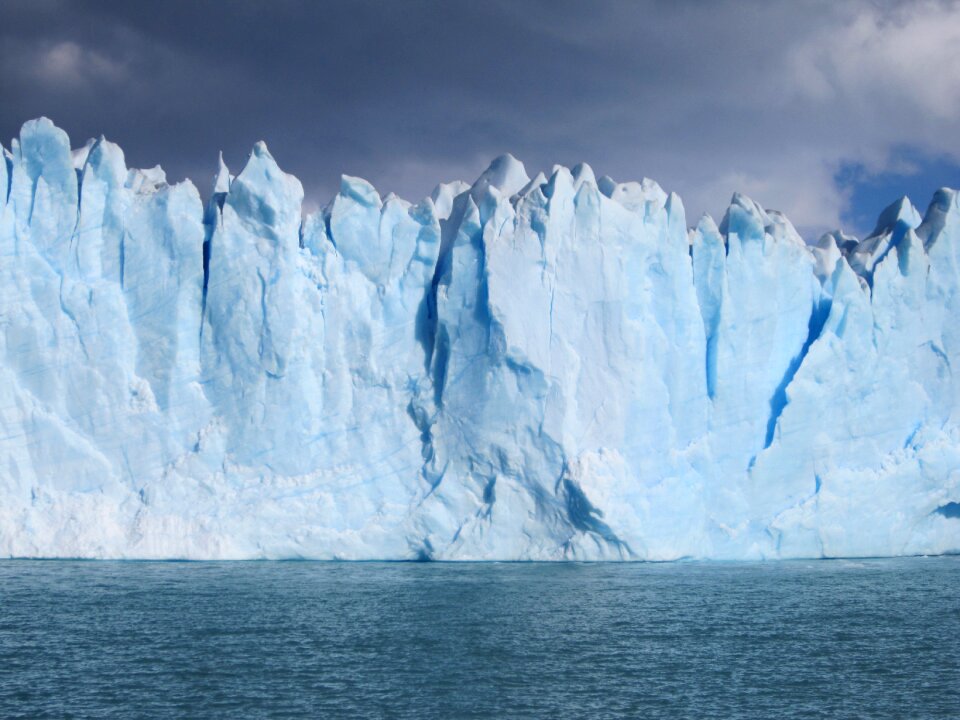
773	99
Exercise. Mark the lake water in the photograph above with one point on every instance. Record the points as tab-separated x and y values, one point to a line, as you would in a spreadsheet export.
824	639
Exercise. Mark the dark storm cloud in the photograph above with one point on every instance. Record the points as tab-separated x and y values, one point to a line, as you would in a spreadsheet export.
771	98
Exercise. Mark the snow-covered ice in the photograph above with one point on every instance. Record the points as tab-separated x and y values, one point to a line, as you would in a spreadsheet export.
515	369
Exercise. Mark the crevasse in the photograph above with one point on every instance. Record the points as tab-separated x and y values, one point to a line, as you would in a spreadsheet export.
515	369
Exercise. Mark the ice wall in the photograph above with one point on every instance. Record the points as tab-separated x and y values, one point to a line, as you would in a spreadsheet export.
518	369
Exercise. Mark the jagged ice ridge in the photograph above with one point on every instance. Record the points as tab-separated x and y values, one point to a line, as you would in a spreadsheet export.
516	369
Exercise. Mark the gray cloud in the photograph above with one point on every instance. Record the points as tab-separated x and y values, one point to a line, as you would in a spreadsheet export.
769	98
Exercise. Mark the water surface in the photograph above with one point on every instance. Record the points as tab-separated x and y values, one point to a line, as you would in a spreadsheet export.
824	639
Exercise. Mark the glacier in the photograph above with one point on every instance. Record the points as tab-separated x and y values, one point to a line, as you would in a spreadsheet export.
518	369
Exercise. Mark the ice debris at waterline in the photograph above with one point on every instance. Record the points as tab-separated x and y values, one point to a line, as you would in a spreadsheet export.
545	369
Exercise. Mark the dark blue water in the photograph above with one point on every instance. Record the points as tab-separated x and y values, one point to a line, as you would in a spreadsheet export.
827	639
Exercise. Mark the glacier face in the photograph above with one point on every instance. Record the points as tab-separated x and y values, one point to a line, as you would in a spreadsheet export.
515	369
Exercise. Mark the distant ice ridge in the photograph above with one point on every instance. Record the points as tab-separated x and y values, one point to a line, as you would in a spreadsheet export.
553	368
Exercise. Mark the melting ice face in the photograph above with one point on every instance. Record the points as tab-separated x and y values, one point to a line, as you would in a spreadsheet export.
547	368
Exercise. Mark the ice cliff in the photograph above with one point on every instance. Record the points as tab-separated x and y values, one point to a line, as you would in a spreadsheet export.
515	369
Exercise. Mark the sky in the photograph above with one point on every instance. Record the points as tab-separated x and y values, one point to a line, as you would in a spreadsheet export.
827	111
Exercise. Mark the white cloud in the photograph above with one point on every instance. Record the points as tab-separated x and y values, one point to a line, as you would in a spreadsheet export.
853	86
890	79
909	56
68	64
